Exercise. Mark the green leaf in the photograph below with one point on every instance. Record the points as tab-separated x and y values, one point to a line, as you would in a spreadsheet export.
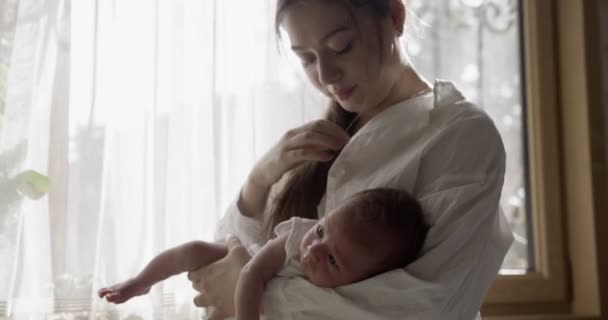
39	181
32	184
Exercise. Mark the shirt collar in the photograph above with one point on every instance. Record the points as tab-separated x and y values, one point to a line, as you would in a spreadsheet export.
409	114
446	94
414	113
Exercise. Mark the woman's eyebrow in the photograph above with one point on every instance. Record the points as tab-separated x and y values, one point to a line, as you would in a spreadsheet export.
325	37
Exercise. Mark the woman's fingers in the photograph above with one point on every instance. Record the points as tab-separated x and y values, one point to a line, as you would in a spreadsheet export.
217	281
202	300
237	254
323	129
310	154
329	128
216	314
314	139
202	278
233	242
196	275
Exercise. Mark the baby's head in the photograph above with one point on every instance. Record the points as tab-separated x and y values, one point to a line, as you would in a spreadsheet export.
373	231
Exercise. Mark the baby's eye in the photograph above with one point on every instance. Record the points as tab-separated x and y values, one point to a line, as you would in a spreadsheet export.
332	260
319	231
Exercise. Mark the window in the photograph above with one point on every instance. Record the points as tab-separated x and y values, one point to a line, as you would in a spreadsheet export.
476	43
523	63
565	197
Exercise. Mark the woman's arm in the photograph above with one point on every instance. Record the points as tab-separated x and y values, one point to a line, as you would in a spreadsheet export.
253	196
315	141
255	275
448	282
216	291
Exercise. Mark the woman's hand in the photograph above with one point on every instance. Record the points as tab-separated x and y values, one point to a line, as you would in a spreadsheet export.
217	281
315	141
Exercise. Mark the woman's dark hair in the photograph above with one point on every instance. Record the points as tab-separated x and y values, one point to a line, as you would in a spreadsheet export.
306	184
379	8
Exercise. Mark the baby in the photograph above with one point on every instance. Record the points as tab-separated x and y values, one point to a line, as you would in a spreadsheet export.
372	232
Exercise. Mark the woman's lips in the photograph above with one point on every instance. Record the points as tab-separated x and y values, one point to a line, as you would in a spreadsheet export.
343	95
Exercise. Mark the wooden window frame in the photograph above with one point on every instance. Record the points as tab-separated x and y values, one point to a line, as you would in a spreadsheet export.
567	168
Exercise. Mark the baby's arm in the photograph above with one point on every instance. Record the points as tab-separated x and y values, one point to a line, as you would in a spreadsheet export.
255	274
186	257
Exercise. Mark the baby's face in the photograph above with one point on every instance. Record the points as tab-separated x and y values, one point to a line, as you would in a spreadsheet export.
332	253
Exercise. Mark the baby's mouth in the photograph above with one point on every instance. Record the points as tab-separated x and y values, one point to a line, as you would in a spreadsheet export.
304	265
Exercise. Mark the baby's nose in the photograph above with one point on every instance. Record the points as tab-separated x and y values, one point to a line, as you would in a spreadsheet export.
315	252
311	259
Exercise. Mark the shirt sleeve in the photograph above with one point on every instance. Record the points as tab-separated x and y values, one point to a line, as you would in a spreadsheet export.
248	230
459	185
461	180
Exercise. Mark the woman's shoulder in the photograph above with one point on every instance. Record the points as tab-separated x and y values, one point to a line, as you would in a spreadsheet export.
452	107
463	146
455	117
463	133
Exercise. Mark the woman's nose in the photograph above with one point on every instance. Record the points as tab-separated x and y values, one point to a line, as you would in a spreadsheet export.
328	72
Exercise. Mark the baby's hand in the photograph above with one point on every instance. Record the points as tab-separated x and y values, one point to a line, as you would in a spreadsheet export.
123	291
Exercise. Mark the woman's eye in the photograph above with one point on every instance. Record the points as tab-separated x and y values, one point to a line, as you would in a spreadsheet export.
320	231
332	260
306	62
345	49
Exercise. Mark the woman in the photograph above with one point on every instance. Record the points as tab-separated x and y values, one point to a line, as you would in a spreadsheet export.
385	127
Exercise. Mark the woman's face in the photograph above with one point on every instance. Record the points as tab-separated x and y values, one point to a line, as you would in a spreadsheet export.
342	57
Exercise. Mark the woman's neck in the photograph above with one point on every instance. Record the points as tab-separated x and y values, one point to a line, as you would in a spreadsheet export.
409	84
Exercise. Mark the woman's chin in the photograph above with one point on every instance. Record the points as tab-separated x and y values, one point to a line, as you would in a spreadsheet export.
350	106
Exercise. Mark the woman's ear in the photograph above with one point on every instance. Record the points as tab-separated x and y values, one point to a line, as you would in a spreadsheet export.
398	15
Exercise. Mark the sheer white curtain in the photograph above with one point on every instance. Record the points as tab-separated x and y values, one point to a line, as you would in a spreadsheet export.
146	116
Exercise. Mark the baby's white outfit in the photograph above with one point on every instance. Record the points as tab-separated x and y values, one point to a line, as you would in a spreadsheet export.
296	228
360	292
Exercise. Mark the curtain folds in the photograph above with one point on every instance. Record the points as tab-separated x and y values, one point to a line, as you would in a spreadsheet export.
146	117
128	126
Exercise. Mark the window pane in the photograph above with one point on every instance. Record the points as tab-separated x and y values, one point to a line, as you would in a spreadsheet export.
476	43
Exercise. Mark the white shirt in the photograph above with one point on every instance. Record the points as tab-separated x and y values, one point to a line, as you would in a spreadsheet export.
449	155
